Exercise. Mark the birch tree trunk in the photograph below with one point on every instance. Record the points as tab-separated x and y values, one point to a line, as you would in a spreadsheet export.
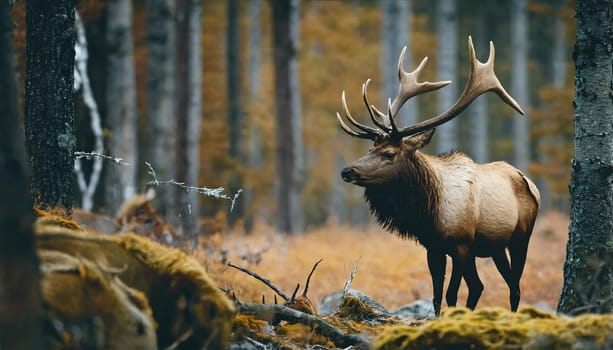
188	109
588	270
120	104
49	102
519	82
447	69
254	159
289	148
21	311
235	104
395	34
161	77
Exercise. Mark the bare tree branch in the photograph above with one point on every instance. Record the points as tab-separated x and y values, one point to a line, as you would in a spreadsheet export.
306	287
261	279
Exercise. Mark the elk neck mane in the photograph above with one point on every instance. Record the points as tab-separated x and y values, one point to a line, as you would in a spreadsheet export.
408	205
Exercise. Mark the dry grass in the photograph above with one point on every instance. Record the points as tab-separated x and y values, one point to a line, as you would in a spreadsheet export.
390	270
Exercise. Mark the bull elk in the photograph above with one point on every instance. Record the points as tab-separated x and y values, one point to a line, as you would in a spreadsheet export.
449	204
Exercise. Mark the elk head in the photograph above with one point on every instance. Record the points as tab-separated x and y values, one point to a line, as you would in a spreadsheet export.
394	147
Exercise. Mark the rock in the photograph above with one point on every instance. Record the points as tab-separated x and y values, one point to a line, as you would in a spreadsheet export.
419	309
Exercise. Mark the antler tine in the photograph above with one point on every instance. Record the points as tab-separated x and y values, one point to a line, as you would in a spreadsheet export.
366	131
372	110
409	86
391	117
481	79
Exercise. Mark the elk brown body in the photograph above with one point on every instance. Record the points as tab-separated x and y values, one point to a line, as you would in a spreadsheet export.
448	203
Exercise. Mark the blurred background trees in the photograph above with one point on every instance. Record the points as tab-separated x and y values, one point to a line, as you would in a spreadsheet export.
341	44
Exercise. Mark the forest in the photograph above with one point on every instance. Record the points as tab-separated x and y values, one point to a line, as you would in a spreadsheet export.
174	169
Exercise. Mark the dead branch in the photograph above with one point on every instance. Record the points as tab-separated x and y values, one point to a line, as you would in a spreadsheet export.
351	277
306	287
294	293
319	325
261	279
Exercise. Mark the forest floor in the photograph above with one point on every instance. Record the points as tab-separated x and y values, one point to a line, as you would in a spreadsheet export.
390	270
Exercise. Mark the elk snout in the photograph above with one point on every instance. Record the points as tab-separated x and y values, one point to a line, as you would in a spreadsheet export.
349	174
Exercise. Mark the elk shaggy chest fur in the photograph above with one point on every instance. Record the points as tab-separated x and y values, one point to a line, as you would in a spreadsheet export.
450	204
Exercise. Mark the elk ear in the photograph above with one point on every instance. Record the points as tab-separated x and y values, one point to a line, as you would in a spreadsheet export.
420	140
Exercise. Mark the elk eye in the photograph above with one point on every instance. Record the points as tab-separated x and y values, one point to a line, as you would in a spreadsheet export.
389	155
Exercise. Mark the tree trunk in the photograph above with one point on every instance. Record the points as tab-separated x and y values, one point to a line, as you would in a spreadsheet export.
188	109
120	104
255	92
550	199
479	131
20	294
588	271
289	148
235	106
395	34
49	103
447	68
161	77
519	82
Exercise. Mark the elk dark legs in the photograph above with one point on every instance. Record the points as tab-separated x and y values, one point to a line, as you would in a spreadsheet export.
503	266
475	286
518	252
437	262
458	261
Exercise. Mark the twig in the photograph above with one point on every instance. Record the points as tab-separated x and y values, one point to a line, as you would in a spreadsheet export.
306	287
205	191
294	293
351	277
280	312
261	279
92	155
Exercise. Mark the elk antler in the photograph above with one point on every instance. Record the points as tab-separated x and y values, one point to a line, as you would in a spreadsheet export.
366	131
481	79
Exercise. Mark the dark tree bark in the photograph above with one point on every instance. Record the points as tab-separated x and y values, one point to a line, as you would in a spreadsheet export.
234	102
188	108
588	271
161	80
49	103
289	148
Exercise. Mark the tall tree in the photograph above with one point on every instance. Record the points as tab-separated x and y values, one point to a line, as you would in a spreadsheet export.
161	135
479	136
588	270
395	34
447	69
235	104
49	104
289	147
254	158
189	104
519	81
20	295
120	104
559	65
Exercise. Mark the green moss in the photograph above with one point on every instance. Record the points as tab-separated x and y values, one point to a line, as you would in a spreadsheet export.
494	328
